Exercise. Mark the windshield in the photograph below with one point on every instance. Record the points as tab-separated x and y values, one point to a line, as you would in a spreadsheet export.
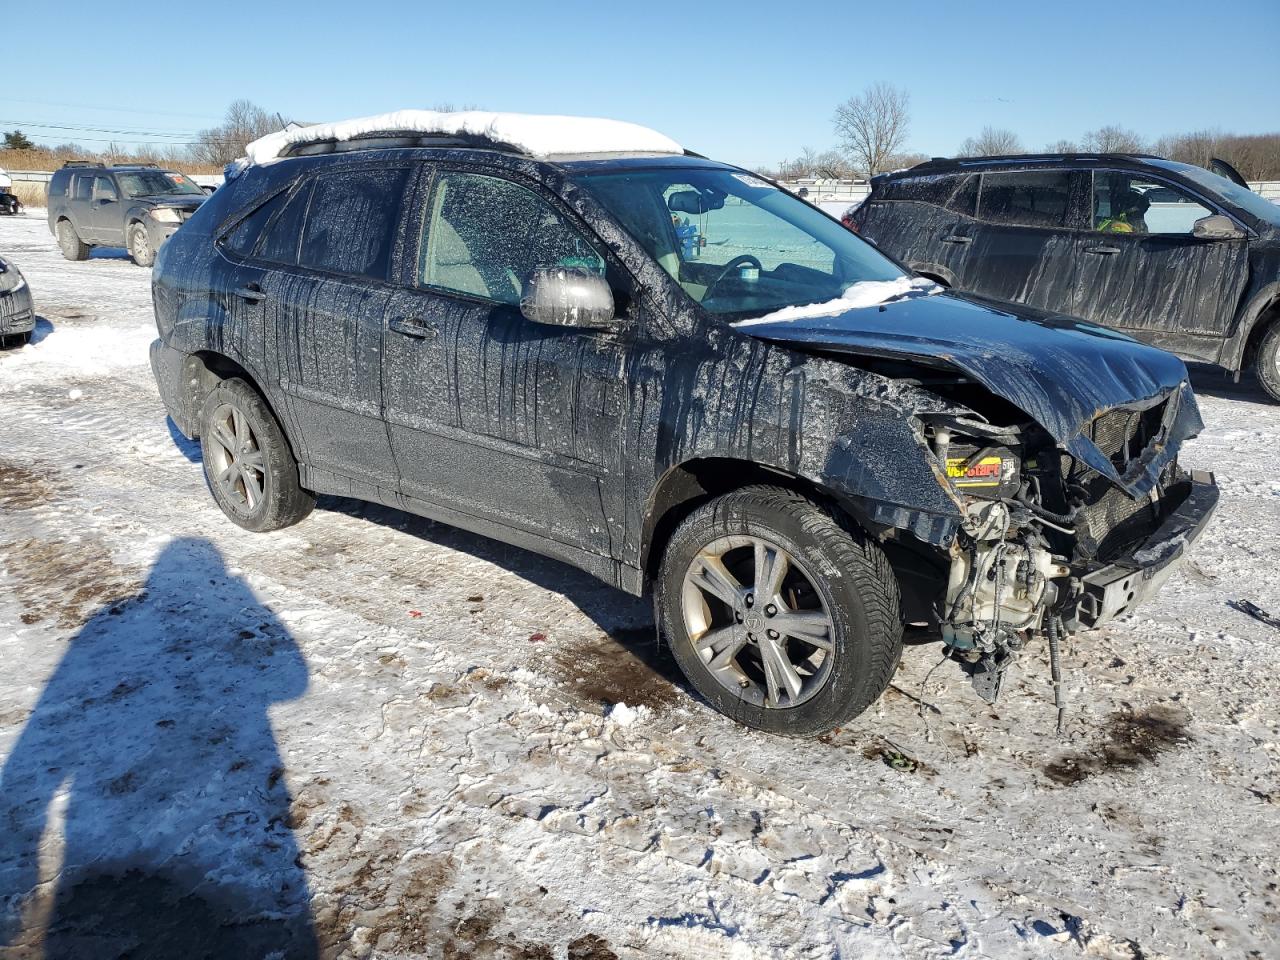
737	245
156	183
1233	193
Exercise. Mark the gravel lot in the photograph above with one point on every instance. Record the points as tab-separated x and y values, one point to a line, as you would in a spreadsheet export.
372	735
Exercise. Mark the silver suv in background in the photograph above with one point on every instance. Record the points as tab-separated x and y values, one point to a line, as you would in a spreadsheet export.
137	206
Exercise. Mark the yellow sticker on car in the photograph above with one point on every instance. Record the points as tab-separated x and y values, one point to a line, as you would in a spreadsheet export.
985	473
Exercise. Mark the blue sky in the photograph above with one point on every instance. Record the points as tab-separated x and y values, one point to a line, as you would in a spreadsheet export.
747	82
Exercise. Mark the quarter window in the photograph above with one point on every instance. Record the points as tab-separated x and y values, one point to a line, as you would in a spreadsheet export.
244	237
1126	203
484	236
1037	198
281	242
351	222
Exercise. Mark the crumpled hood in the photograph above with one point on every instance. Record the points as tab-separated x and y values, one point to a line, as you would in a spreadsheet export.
1060	371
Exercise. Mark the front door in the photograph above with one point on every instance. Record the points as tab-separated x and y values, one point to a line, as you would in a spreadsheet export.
1023	247
1142	269
490	414
325	297
107	215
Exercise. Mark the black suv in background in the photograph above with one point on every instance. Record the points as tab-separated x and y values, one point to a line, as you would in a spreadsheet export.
680	378
137	206
1173	254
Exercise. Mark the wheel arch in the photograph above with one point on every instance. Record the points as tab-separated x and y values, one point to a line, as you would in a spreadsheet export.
1262	310
935	272
920	568
203	371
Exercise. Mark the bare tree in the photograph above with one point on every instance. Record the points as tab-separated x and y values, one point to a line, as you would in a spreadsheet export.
991	142
244	122
1062	146
873	126
1113	139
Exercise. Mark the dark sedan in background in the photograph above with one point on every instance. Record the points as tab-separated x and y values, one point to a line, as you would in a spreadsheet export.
17	315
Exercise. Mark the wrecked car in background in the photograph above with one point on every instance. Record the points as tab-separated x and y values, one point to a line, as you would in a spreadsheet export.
495	321
1173	254
17	312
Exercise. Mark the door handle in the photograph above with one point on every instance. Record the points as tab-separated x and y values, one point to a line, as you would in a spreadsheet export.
957	239
1103	251
413	327
250	293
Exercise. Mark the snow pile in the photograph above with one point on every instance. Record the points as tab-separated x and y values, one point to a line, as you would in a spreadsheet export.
865	293
540	135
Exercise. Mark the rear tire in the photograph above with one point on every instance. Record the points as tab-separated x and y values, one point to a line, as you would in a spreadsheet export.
1268	361
69	242
836	587
15	340
140	246
248	464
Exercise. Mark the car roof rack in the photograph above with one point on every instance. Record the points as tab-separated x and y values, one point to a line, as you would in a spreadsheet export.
81	163
959	163
391	139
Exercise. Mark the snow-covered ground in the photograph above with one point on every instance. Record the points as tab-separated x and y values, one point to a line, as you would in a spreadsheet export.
371	735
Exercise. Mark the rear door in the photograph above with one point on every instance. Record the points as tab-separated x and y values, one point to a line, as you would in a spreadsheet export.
1023	245
492	415
80	206
325	296
1142	269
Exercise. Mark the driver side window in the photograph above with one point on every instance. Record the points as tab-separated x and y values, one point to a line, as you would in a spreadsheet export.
485	235
1128	203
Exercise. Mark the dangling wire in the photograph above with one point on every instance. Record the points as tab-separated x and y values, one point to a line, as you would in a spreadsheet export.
1055	669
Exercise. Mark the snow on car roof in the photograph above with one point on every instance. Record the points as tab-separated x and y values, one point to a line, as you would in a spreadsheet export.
535	134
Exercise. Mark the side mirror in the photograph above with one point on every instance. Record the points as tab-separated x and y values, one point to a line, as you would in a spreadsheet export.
1216	227
567	297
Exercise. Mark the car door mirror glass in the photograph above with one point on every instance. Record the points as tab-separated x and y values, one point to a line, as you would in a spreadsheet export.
567	297
1216	226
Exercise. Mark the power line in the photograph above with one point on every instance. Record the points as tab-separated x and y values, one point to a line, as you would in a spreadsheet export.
112	109
78	126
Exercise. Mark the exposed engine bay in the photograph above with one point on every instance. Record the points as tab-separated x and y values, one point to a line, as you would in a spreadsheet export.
1047	544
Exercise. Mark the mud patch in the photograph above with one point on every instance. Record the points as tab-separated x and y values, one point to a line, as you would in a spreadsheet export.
22	488
627	666
66	582
1129	740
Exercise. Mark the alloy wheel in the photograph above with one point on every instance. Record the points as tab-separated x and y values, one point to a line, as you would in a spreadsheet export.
237	464
758	621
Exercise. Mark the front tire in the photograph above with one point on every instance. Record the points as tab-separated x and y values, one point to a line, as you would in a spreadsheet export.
782	616
140	246
248	464
1268	361
69	242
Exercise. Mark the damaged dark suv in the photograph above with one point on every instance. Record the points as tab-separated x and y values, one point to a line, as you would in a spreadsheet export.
576	337
1181	257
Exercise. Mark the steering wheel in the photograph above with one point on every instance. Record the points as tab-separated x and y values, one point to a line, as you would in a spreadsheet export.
735	263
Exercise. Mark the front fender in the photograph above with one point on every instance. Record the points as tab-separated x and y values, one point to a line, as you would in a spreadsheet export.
1232	355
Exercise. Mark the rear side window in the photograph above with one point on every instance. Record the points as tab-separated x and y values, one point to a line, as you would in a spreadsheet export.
84	187
1037	198
351	222
244	237
936	189
280	245
965	199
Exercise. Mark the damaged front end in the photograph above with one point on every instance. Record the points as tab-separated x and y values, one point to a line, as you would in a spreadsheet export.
1048	543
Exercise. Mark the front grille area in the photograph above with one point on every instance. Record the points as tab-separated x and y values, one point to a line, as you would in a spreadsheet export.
1123	434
